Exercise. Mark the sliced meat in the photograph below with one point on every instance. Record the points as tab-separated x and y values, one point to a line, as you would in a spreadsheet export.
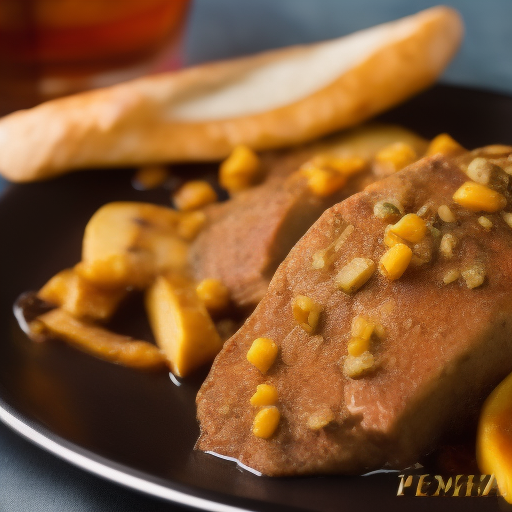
443	346
247	237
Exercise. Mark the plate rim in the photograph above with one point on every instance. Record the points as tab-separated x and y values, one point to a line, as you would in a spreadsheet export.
110	470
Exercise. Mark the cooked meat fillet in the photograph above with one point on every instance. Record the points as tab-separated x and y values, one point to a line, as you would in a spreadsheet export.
441	349
247	237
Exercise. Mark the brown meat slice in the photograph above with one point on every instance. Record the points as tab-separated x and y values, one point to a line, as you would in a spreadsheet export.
444	346
247	237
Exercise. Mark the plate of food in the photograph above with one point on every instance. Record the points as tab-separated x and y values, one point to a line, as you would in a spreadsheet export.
352	289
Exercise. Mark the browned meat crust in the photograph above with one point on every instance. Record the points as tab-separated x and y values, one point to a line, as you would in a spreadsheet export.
444	346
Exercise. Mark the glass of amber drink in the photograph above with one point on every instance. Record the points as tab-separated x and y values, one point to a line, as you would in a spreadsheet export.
50	48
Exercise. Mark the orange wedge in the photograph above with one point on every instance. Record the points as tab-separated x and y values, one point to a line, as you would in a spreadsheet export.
494	438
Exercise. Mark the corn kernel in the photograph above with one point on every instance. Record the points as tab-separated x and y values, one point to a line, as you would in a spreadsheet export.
346	166
395	261
149	177
354	367
320	419
391	238
451	276
447	245
240	170
422	252
190	224
327	174
306	313
361	331
323	258
485	222
362	328
396	156
488	173
480	170
424	210
262	354
340	241
445	145
266	422
445	214
324	182
474	276
411	228
193	195
265	395
354	274
214	294
507	217
477	197
357	346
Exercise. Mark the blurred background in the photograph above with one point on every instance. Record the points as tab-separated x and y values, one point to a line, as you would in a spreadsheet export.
54	47
223	28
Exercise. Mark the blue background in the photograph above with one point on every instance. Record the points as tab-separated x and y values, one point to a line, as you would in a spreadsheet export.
32	480
223	28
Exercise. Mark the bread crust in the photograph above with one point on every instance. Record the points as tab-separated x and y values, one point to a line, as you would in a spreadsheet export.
132	123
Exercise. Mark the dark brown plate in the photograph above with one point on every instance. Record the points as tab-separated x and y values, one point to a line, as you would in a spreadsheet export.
139	429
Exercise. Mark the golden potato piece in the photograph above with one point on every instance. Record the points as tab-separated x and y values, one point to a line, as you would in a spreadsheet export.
494	438
82	299
181	325
100	342
128	243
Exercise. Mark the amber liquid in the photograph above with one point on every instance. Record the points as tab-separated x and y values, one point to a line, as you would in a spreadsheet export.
49	48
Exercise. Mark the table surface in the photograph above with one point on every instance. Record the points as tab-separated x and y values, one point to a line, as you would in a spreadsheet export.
33	480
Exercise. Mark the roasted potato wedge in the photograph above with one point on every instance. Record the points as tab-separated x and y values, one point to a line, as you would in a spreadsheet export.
100	342
181	325
81	298
128	244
